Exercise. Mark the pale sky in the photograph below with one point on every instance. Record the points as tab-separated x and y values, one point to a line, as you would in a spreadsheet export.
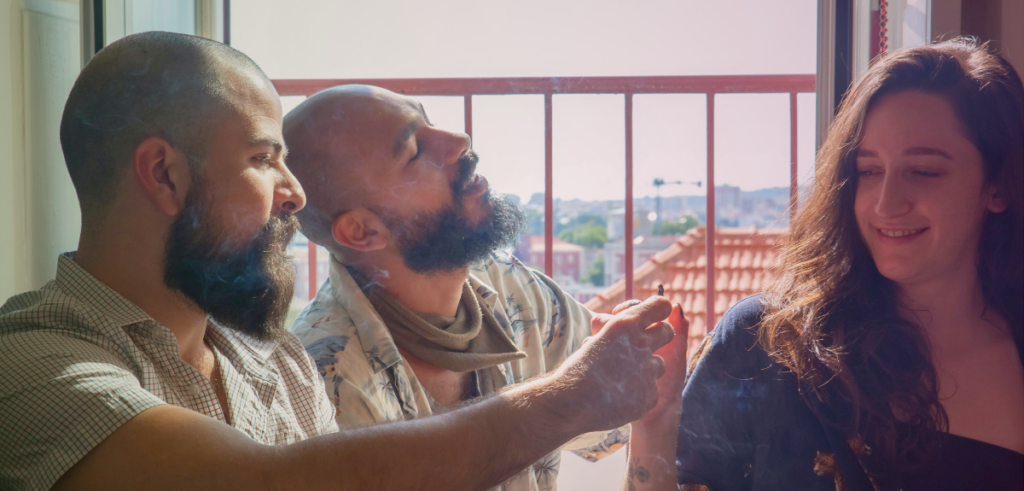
472	38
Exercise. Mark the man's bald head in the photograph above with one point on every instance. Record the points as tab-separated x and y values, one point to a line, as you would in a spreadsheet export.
327	156
383	182
168	85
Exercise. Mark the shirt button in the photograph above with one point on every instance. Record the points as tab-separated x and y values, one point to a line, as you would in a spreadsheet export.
194	390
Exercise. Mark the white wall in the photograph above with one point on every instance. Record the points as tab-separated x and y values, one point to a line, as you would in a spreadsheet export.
39	217
13	250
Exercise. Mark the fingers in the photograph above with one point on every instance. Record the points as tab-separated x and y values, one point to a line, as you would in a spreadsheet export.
598	321
650	311
676	351
679	323
654	368
656	365
625	305
656	336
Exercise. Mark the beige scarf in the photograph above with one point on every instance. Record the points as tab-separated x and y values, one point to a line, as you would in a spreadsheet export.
472	340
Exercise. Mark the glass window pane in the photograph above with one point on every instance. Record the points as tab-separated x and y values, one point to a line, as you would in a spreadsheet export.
588	172
752	160
164	15
508	134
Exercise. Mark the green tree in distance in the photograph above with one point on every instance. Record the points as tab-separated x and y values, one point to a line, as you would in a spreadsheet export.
596	272
679	228
589	235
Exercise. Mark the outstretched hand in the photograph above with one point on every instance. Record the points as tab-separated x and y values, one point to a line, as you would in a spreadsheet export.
613	376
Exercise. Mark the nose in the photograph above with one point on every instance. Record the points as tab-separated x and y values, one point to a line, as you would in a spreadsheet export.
458	145
893	200
288	195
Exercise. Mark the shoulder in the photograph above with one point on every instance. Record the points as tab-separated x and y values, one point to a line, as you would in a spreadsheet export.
44	332
739	324
46	309
323	322
732	348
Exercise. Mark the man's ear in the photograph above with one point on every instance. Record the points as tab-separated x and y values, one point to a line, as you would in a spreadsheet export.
361	230
163	173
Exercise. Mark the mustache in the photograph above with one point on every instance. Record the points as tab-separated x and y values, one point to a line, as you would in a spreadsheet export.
278	232
467	168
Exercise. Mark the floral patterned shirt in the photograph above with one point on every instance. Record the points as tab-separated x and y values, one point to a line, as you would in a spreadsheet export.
369	382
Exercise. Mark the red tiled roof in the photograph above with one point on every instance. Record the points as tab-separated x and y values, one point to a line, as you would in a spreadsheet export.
742	256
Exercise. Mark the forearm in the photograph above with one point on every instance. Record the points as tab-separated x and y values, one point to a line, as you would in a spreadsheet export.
475	447
651	455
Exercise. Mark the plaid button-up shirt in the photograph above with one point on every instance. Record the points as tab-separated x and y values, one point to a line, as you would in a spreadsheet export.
78	360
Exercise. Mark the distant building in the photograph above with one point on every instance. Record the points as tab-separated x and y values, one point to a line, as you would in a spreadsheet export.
643	248
566	258
727	197
617	226
743	257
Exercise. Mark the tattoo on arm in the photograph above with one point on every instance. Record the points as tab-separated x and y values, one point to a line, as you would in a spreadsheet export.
635	470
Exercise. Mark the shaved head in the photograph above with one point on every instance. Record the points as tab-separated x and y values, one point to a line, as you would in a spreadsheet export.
371	162
325	158
162	84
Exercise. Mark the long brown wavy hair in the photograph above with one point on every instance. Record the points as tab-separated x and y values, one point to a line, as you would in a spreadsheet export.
831	317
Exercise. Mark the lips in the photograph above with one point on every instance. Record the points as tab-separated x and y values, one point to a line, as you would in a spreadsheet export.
900	234
476	185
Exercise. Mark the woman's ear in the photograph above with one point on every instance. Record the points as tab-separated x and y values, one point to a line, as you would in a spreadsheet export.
361	230
163	173
994	200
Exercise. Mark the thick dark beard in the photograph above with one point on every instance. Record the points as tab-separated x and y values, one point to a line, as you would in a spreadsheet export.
444	241
244	287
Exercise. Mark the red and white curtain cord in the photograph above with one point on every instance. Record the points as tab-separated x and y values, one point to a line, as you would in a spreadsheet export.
883	29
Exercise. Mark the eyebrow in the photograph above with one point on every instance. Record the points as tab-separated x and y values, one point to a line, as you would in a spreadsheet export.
423	111
403	137
279	147
910	151
927	151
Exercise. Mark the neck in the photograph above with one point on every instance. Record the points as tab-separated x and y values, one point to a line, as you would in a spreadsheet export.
435	293
132	264
950	309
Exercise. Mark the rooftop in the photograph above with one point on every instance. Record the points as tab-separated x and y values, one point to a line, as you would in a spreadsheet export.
742	255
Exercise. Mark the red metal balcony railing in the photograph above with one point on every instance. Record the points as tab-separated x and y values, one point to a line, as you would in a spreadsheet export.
628	86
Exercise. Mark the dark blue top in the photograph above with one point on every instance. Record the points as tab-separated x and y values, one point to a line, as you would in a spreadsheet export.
745	427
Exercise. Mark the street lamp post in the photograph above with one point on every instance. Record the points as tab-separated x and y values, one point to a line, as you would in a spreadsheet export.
658	183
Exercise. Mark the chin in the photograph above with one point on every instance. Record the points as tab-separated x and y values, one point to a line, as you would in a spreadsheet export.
900	270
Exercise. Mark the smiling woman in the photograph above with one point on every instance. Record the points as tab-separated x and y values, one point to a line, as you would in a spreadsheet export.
888	352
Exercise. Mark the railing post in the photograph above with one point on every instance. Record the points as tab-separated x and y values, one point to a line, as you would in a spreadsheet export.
549	207
311	255
793	190
468	104
227	22
628	211
709	313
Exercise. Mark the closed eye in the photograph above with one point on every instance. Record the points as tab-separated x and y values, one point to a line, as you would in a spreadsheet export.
419	151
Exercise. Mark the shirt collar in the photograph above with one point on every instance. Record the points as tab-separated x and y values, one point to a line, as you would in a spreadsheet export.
84	287
378	345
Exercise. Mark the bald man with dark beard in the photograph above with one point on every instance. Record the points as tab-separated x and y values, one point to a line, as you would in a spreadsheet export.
157	359
424	309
